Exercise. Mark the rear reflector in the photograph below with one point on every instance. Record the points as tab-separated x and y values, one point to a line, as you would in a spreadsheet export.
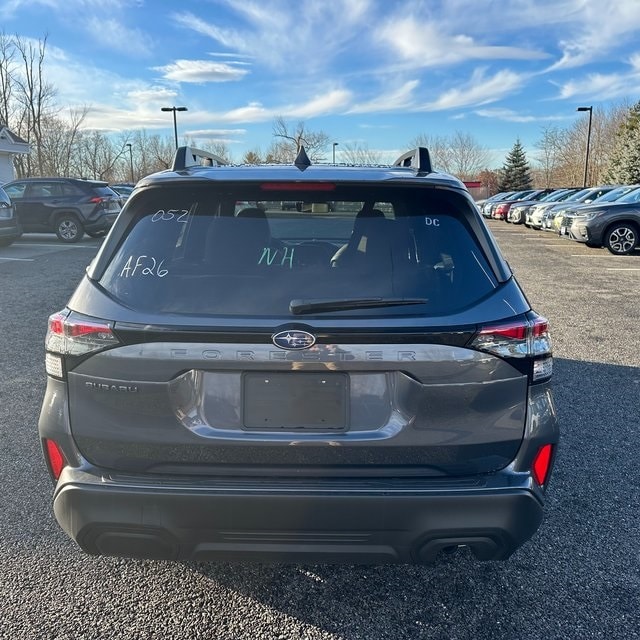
55	458
542	464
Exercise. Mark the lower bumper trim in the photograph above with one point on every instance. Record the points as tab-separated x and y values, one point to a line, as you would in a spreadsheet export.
309	528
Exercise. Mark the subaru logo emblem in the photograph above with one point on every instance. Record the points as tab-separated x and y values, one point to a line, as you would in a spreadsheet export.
293	339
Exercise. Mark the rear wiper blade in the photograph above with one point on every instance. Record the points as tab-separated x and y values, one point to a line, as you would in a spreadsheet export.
344	304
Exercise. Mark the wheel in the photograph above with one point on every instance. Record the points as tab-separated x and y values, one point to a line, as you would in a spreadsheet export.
5	242
621	238
69	228
519	218
96	234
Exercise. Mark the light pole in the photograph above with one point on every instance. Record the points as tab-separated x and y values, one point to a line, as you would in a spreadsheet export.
130	161
175	124
586	157
335	144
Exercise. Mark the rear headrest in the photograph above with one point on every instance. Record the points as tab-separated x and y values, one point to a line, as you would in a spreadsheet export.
251	212
258	218
364	219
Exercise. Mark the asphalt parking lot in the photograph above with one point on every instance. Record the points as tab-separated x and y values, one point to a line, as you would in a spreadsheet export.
579	578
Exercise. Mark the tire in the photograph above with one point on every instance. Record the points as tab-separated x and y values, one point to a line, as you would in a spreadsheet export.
519	219
621	238
96	234
68	228
5	242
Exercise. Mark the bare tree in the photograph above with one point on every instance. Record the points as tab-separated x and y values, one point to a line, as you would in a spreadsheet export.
548	156
459	154
60	143
220	149
292	138
151	153
102	155
467	155
438	149
252	157
7	56
605	125
35	95
360	153
489	179
562	152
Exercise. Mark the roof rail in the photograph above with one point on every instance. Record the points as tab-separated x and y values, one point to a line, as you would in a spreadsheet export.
191	157
418	159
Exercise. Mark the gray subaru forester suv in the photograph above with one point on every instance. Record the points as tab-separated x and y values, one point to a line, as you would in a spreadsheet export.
355	378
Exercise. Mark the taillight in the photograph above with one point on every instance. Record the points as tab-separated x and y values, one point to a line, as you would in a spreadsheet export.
73	335
542	464
98	199
526	338
55	458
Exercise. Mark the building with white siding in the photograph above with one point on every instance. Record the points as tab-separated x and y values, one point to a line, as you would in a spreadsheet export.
10	145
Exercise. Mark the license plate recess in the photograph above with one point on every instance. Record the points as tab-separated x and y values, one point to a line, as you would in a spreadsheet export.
295	401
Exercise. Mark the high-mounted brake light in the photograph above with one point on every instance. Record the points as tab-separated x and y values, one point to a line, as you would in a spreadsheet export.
55	458
527	338
298	186
542	464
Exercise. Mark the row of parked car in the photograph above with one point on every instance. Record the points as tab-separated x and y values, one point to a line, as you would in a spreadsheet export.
604	216
67	207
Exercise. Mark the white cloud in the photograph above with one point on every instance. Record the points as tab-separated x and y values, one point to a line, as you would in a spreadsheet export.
596	31
253	112
426	44
401	98
509	115
133	42
11	6
478	91
200	71
278	34
326	103
602	86
151	95
322	104
215	134
599	86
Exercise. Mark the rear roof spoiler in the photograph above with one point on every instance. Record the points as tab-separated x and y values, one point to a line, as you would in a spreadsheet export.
186	157
418	159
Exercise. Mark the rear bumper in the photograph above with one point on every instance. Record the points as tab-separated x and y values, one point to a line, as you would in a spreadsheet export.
281	521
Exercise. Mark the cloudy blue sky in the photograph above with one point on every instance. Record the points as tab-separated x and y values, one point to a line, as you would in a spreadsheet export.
371	72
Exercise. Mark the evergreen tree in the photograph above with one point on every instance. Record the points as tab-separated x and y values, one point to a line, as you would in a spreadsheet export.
624	167
515	174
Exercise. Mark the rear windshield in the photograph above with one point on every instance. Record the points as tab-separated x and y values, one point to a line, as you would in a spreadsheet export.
104	191
245	251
